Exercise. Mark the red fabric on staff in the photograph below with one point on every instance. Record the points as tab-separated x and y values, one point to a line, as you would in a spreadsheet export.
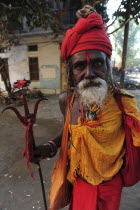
105	196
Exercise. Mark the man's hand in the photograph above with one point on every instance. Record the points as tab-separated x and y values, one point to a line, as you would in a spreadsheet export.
43	151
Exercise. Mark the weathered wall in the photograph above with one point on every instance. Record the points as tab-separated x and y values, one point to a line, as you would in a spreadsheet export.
48	60
49	66
18	63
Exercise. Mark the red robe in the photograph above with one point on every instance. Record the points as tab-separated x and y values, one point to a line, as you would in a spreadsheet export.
105	196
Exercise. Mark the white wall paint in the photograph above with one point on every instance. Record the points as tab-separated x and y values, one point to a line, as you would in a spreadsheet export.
48	55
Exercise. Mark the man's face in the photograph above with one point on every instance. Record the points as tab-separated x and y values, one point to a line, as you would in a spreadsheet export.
88	65
89	72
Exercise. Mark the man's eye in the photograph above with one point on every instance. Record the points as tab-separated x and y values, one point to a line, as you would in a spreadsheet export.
80	67
98	64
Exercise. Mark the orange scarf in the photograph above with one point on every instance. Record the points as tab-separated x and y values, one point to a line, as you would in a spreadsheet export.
59	175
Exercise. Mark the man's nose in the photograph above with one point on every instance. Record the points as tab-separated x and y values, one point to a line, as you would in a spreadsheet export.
89	72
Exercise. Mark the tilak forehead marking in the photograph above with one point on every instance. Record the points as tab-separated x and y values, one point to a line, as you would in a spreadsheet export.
87	58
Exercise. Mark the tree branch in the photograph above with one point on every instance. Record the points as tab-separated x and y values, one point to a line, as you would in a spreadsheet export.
30	5
115	18
95	2
4	5
124	24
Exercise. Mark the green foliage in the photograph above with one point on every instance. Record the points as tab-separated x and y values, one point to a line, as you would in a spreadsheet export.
101	8
134	11
39	13
133	48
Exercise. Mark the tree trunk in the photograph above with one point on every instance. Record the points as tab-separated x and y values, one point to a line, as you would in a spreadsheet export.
5	77
59	12
125	43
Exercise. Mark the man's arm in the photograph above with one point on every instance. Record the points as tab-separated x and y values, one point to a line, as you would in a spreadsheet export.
50	149
63	104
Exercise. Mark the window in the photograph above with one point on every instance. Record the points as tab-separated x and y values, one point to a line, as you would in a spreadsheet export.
33	67
32	48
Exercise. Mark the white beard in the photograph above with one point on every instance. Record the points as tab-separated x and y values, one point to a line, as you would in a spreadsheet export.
92	91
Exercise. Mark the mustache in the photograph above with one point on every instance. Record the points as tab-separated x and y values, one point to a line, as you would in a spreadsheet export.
86	83
92	84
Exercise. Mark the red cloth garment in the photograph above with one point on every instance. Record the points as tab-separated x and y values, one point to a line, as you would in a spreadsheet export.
87	34
131	171
105	196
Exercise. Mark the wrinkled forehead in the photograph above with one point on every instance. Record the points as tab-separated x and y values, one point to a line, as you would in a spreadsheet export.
88	55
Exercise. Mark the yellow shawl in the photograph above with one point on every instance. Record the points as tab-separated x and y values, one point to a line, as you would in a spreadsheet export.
96	153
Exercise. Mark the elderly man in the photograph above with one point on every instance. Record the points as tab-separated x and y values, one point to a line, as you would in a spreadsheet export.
92	144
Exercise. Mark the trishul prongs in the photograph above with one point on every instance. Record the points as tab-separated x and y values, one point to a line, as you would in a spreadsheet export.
29	118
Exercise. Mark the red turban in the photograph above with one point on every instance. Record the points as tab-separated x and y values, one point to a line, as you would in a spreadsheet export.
87	34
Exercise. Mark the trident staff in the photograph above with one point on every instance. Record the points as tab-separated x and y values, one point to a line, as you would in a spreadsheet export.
28	121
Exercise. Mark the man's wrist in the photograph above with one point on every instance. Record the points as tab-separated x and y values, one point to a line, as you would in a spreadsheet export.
53	148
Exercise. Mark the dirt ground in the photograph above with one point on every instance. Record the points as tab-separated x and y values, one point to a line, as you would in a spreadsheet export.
17	189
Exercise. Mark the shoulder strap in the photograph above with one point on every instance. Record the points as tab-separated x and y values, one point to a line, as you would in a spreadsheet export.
117	97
